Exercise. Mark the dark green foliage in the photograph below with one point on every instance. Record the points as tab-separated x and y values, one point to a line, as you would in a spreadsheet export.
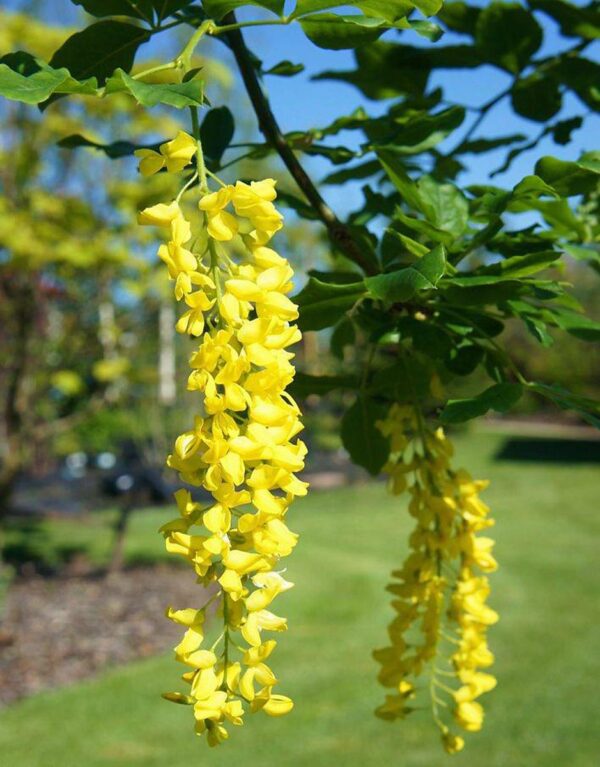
500	397
323	304
444	269
403	284
100	49
216	132
361	437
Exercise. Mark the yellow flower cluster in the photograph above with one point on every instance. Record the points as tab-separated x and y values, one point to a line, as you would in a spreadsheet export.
242	447
441	615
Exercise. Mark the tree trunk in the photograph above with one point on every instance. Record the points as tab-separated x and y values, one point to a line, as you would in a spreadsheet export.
21	296
166	355
117	557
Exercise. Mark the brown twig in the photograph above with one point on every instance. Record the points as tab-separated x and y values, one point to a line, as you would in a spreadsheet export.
339	233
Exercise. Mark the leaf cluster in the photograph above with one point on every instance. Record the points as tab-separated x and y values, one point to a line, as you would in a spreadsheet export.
443	268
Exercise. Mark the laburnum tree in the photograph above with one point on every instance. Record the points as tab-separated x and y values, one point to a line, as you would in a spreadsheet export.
424	278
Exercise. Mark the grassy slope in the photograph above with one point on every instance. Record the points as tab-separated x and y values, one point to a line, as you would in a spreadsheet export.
540	715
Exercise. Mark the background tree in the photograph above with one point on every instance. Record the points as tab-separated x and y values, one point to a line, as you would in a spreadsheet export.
427	274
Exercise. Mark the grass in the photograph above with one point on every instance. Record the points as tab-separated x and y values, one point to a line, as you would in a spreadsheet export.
541	715
50	543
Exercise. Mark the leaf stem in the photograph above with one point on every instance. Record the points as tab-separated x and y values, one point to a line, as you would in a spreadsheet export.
199	153
152	70
339	233
258	23
185	56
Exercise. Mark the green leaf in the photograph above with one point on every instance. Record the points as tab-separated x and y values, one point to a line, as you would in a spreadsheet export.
559	215
569	178
32	81
459	17
304	384
578	325
521	266
500	397
536	97
478	291
166	8
427	337
285	69
397	174
403	284
532	188
561	130
507	35
336	32
338	155
364	170
216	132
583	253
581	76
142	9
216	9
137	9
538	329
322	304
401	382
343	335
424	131
114	151
424	228
574	21
427	29
481	145
443	205
586	408
178	95
100	49
358	119
362	439
335	278
463	360
428	7
395	245
471	322
384	70
388	10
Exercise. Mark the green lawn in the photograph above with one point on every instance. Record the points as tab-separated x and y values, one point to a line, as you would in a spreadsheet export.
542	713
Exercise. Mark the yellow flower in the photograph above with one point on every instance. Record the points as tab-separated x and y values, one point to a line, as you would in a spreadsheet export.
448	514
179	151
469	715
452	743
150	161
242	447
222	226
175	155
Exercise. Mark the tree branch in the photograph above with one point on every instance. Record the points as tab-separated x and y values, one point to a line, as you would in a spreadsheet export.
339	233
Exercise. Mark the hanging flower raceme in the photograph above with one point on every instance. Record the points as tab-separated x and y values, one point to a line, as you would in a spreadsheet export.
441	617
242	446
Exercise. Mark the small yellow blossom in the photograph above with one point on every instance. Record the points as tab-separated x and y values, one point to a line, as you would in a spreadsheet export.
242	446
174	155
440	600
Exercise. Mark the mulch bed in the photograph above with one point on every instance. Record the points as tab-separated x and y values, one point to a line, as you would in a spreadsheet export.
60	630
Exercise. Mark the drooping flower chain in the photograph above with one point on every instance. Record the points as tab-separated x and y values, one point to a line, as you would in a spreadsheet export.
439	630
241	447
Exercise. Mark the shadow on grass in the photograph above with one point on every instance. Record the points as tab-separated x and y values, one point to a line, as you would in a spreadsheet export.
28	548
546	450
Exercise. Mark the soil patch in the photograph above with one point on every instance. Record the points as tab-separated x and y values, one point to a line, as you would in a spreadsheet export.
60	630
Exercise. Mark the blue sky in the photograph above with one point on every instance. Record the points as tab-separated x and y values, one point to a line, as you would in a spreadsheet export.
301	103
